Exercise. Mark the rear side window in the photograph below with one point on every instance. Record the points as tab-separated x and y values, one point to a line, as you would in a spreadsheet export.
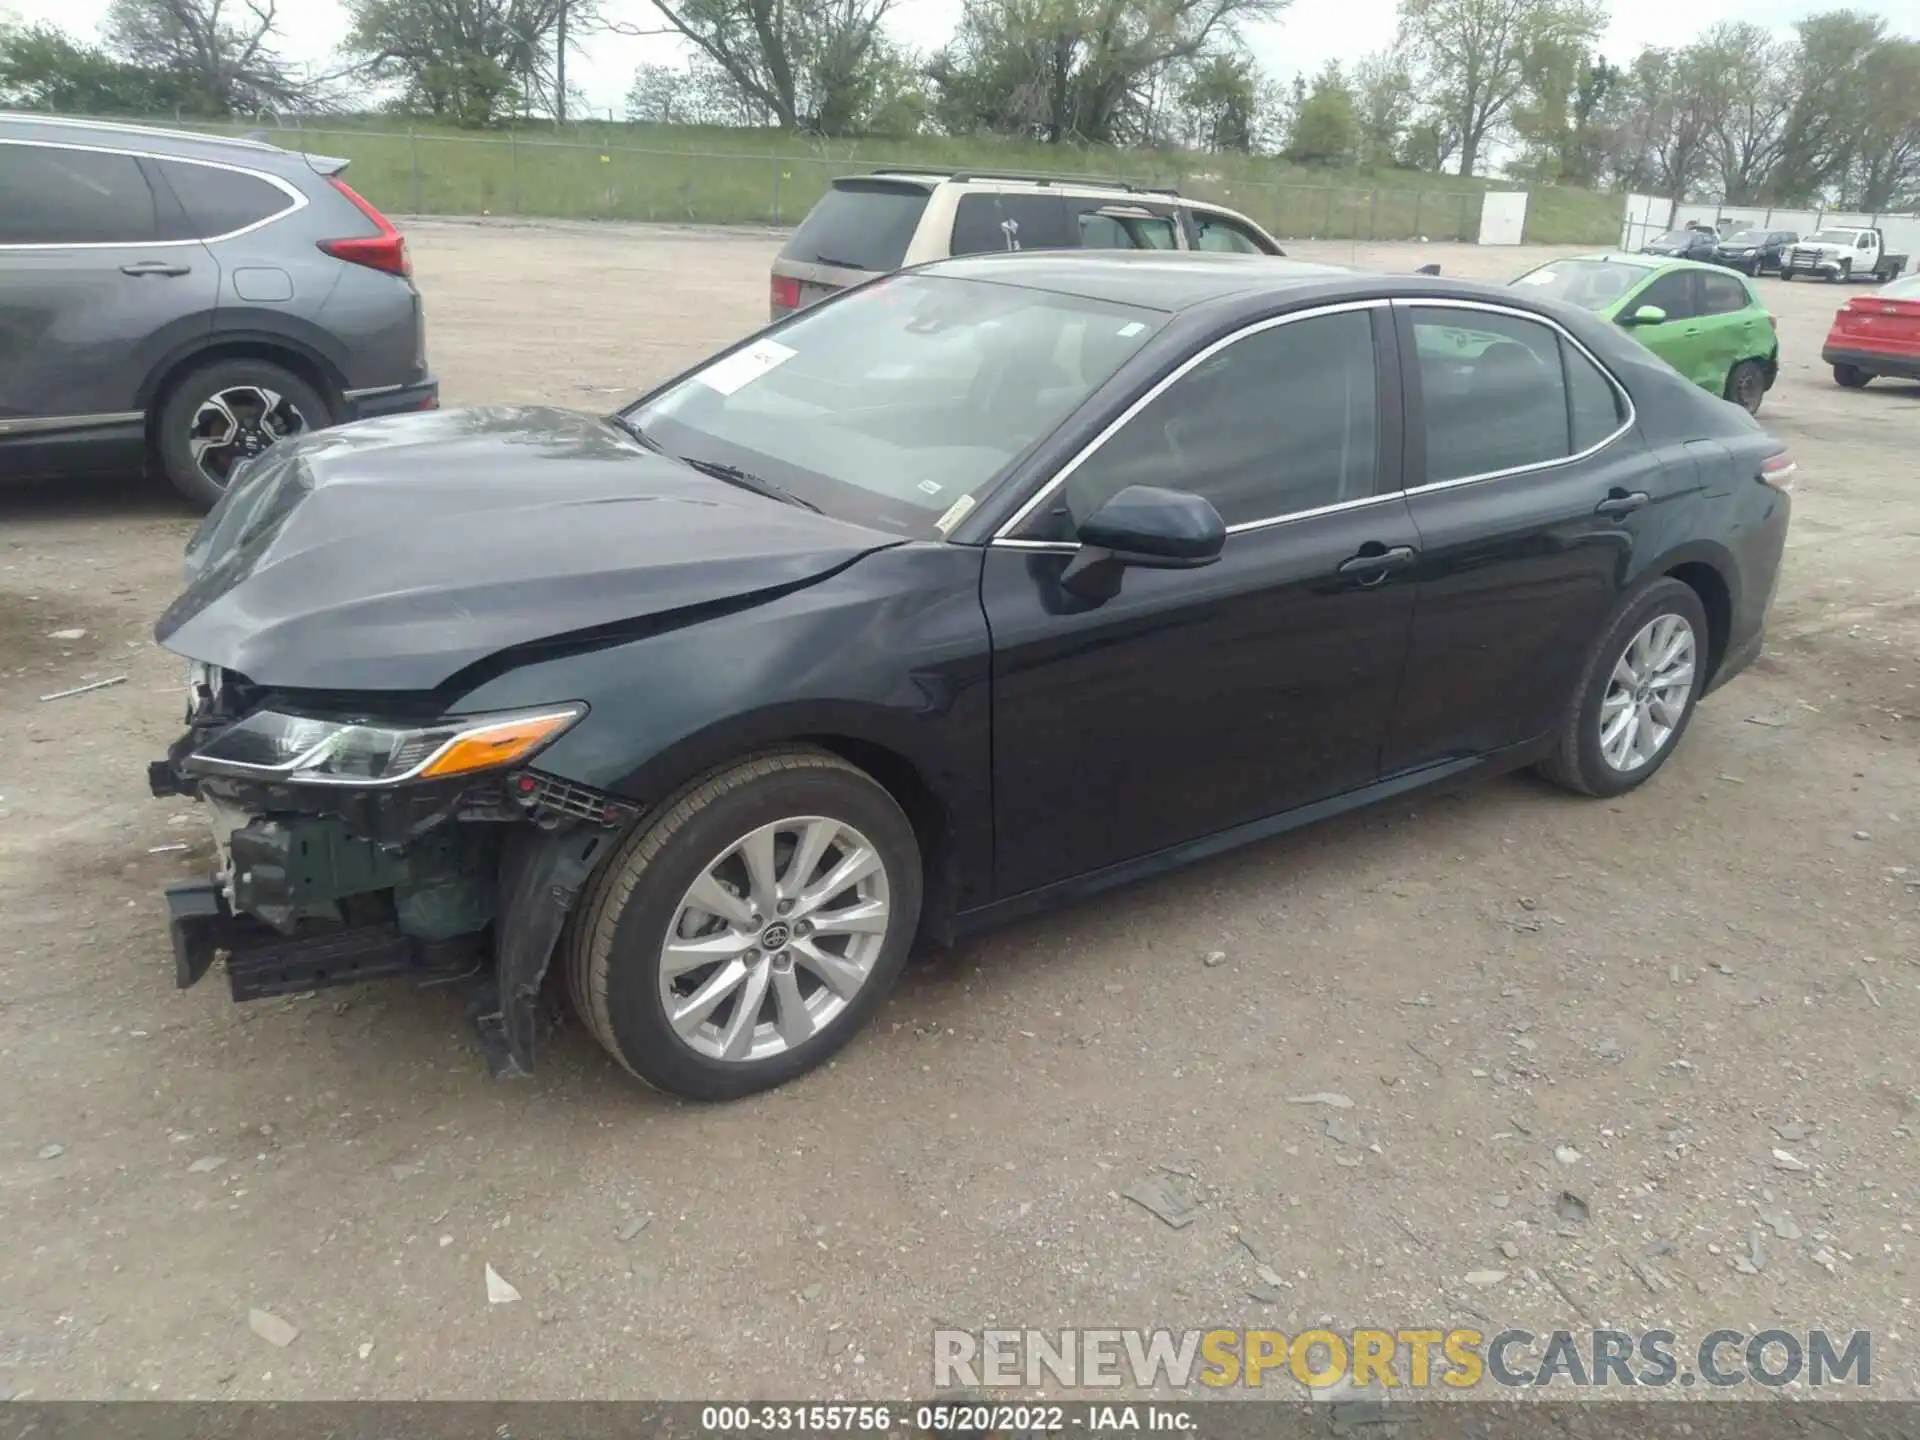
218	202
989	222
1722	295
859	227
51	196
1494	393
1217	232
1118	228
1593	405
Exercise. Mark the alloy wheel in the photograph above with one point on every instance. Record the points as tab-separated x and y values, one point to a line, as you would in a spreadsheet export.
1647	692
774	939
237	423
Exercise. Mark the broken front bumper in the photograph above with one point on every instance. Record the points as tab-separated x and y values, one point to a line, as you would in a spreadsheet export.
328	888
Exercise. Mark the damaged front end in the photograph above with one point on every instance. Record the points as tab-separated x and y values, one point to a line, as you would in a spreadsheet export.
353	848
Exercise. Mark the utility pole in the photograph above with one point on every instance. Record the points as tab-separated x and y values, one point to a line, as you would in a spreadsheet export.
560	71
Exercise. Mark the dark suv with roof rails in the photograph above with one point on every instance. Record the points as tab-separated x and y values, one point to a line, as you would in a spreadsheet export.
189	299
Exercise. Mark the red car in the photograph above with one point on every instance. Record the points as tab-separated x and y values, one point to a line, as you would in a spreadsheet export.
1877	334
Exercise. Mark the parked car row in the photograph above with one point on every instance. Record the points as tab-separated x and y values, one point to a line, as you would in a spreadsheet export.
1846	252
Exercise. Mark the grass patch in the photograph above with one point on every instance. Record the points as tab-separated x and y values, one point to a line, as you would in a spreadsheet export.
719	176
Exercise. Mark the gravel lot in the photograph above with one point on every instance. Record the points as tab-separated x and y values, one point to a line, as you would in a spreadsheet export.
1677	986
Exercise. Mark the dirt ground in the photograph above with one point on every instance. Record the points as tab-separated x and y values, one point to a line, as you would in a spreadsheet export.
1679	986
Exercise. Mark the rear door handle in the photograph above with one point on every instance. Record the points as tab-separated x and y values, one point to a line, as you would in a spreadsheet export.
1375	562
166	268
1621	503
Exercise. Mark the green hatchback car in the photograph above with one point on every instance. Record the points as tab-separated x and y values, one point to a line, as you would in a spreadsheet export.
1703	320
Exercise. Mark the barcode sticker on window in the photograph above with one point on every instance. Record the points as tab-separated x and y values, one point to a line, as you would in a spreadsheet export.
743	367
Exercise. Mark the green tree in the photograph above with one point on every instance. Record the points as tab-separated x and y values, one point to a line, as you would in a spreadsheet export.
1742	70
221	54
42	68
471	62
1219	100
1821	126
1383	97
1472	55
1883	172
1326	123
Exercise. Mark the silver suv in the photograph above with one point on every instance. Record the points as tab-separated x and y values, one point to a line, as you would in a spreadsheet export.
189	299
866	225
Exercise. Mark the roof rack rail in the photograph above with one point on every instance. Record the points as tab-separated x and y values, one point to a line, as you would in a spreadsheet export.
1040	177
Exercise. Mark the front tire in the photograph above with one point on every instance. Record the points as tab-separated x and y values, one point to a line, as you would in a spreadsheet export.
745	932
1850	377
220	415
1637	696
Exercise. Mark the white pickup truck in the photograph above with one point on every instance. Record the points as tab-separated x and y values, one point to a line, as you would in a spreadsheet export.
1842	252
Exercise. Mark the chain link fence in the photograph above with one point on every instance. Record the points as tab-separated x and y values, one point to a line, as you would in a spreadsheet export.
422	172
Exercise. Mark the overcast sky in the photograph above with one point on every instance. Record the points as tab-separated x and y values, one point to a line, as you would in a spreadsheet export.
1309	33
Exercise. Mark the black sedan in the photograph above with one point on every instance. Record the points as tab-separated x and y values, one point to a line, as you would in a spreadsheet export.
982	586
1691	242
1753	251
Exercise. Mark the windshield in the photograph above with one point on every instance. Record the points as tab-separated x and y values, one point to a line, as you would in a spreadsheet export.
1746	237
1675	237
1590	284
1907	289
1834	237
900	405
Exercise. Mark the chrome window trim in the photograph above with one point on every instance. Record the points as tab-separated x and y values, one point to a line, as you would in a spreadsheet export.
292	192
122	127
1494	307
40	424
1086	452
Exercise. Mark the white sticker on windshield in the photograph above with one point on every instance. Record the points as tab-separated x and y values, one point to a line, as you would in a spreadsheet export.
743	367
956	512
1538	277
1131	328
930	487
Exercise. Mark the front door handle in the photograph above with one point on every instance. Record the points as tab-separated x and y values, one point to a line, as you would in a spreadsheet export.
1375	562
1619	502
166	268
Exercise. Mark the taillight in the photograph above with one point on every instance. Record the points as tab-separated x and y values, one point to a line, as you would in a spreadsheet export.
386	251
1778	471
785	292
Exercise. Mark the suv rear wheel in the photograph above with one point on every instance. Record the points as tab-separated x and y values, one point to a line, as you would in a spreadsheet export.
227	412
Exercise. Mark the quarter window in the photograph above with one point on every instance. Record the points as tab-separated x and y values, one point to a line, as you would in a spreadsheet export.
51	196
1494	392
1218	233
1282	421
1593	404
219	202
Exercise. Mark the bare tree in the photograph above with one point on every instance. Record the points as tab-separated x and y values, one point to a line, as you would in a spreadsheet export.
1742	73
221	51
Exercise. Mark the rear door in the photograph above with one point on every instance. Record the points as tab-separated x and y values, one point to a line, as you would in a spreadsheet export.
861	228
1110	224
989	221
92	297
1529	491
1732	326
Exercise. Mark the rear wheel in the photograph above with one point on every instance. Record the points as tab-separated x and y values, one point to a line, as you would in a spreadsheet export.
1786	272
220	415
743	936
1851	376
1747	385
1637	695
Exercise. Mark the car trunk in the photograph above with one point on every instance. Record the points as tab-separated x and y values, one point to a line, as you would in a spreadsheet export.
861	228
1876	322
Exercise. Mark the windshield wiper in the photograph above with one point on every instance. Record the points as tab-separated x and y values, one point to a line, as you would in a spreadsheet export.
632	427
747	480
837	263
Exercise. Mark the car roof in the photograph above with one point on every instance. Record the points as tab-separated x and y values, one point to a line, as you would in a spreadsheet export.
1177	280
150	139
1648	263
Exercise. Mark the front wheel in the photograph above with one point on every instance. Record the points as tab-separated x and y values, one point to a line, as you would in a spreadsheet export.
1747	385
747	931
1851	377
1637	695
1786	272
223	414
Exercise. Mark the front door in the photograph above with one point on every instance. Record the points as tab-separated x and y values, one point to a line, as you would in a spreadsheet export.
1529	492
91	297
1194	701
1679	339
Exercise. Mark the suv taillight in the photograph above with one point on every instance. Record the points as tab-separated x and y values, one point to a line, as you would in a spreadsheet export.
785	292
386	251
1778	471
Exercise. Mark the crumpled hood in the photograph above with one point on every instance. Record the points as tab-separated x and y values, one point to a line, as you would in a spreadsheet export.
392	554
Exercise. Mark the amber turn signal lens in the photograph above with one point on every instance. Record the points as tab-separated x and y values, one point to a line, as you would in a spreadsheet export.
491	746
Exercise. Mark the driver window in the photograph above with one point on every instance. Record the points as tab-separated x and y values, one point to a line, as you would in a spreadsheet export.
1282	421
1865	243
1672	293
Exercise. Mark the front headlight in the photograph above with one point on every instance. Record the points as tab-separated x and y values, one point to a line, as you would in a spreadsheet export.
272	746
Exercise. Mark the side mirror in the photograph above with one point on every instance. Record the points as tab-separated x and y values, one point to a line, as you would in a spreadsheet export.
1646	315
1147	527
